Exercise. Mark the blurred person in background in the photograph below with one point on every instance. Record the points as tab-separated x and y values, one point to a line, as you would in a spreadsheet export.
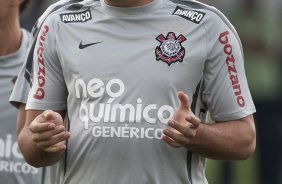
33	12
14	43
21	88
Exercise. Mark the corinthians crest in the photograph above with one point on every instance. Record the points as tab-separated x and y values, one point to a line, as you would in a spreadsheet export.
170	50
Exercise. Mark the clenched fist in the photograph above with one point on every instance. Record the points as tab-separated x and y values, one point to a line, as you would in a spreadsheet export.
48	132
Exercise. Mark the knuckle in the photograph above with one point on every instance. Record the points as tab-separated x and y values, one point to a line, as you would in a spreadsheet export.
40	144
34	137
47	143
31	127
62	136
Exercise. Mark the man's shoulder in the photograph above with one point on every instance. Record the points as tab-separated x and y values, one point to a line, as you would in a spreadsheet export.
78	12
56	11
211	13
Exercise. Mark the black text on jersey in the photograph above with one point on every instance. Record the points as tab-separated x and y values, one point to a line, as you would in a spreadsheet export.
76	17
192	15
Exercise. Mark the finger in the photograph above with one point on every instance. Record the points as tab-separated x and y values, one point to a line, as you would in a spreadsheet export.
195	121
183	128
184	101
53	116
176	136
56	148
36	137
61	137
36	127
40	119
171	142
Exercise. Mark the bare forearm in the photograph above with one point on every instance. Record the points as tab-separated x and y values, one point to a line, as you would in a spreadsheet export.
233	140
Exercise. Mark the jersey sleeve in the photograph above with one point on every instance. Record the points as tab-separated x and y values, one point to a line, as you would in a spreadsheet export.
48	86
225	87
20	90
22	85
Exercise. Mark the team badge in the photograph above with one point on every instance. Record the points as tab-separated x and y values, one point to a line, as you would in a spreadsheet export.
170	49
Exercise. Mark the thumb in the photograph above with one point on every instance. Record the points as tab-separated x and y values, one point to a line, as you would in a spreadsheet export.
184	100
53	117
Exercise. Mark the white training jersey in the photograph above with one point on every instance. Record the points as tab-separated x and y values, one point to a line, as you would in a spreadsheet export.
13	168
117	71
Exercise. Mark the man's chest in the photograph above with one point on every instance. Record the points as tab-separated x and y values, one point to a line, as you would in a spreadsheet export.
169	52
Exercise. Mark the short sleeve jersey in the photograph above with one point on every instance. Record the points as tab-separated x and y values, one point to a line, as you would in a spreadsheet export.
117	71
13	168
23	83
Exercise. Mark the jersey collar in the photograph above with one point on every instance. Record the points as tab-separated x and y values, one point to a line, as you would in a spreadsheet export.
135	11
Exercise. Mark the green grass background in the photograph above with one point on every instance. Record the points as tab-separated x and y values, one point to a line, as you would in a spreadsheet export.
244	172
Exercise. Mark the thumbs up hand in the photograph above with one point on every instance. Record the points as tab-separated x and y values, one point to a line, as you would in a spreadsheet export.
48	132
183	126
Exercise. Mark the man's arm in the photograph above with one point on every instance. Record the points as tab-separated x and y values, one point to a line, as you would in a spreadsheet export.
42	138
230	140
21	118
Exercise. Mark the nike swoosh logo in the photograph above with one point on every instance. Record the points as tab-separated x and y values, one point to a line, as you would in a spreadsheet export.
83	46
